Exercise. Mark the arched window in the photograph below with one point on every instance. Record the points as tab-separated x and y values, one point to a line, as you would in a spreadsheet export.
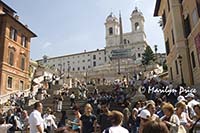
137	26
110	31
125	41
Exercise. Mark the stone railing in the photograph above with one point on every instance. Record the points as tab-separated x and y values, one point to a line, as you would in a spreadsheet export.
4	98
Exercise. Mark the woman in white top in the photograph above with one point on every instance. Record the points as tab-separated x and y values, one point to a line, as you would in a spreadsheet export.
170	119
185	121
49	121
3	126
116	118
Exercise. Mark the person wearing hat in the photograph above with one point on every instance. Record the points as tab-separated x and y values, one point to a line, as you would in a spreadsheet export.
144	116
181	99
191	103
116	118
191	100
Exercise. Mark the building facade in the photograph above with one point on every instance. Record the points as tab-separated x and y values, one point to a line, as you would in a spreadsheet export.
100	61
15	39
181	28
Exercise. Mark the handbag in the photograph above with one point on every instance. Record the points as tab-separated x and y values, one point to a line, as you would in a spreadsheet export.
191	129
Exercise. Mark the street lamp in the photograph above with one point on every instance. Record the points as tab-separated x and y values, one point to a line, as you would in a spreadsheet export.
180	63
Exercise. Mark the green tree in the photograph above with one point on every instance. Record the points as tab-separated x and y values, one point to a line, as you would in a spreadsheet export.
147	56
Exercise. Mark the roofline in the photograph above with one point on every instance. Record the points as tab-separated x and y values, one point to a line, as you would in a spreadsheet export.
34	35
7	6
73	54
157	8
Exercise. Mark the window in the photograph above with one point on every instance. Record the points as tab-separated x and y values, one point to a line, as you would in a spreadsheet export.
124	41
83	68
94	57
99	58
137	26
22	66
78	68
24	41
10	80
139	55
21	85
105	59
94	63
11	57
83	60
73	69
171	73
193	60
177	72
88	66
88	60
163	19
172	37
198	6
168	5
13	34
167	47
187	26
110	31
195	16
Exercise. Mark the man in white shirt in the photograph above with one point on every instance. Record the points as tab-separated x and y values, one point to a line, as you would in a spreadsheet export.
35	120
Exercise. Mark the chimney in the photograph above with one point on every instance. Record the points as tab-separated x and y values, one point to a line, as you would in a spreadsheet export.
16	17
26	25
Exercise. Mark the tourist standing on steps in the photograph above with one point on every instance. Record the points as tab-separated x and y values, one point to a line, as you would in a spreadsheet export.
72	99
116	118
3	126
35	120
88	120
60	101
49	121
104	120
75	124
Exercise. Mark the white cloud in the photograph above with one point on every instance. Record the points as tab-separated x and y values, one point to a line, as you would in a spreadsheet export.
46	44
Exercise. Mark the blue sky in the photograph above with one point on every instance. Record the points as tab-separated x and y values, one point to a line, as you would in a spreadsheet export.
72	26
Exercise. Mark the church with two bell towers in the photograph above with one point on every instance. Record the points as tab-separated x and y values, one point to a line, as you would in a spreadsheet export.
122	53
134	40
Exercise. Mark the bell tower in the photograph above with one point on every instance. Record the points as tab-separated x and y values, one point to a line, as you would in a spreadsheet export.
112	29
137	21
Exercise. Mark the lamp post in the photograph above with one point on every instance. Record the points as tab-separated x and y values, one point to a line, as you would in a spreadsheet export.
180	63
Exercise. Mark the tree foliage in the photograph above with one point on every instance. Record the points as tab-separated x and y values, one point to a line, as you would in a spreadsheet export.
147	56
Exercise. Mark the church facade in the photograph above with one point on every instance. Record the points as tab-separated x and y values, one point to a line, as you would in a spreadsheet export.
121	55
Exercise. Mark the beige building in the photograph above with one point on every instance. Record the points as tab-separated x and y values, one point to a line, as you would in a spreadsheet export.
181	28
15	39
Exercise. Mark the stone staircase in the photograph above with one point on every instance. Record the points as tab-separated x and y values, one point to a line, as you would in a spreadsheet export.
66	103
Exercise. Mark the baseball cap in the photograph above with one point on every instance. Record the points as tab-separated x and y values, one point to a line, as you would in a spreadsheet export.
181	98
145	114
190	95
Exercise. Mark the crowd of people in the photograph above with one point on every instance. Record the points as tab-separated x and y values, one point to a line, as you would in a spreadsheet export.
110	111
